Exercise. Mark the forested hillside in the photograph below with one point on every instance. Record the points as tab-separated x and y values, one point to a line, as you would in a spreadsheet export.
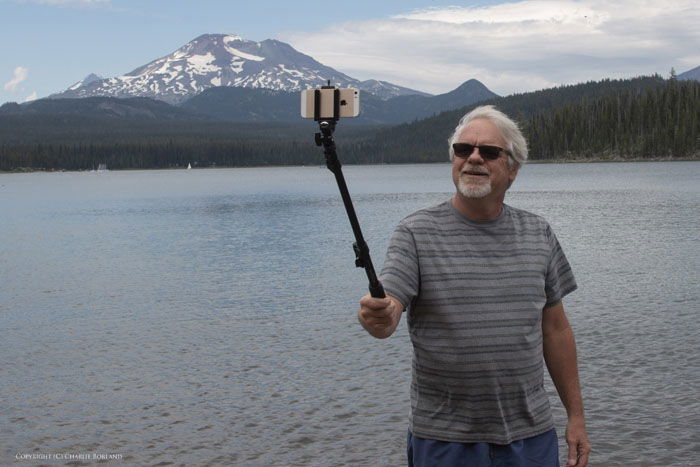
611	119
652	117
80	143
661	122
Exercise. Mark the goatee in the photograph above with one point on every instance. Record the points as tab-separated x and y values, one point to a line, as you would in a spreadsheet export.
473	191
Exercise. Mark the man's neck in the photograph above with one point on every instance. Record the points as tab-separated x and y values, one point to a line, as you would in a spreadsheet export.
479	209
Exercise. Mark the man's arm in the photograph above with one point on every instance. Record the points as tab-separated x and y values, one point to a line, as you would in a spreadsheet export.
380	316
560	356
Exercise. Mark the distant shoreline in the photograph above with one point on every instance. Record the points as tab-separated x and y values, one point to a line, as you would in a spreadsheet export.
616	159
551	161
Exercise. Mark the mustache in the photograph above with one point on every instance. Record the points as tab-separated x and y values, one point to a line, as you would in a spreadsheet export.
474	169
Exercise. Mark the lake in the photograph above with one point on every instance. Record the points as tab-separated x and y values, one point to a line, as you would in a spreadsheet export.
208	317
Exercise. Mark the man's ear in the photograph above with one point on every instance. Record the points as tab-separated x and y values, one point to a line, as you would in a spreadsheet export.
512	173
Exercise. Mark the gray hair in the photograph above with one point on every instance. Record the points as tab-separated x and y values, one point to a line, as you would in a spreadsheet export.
515	141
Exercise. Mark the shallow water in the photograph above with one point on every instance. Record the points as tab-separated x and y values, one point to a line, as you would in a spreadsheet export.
208	316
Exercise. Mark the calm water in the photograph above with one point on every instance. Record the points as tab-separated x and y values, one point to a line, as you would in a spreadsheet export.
207	317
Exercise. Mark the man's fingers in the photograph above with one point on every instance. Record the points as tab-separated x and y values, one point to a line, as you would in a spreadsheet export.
573	454
379	316
374	303
578	454
583	460
375	317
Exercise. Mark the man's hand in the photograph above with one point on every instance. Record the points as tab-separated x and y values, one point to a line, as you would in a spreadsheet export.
379	316
579	447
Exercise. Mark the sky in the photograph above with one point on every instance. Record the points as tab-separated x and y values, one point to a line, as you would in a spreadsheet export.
432	46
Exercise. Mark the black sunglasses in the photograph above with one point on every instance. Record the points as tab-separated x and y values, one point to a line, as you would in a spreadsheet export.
464	150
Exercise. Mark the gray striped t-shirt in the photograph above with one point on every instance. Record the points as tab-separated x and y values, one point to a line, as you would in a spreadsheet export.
475	293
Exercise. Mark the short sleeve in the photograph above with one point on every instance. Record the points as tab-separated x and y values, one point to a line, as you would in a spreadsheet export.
560	279
400	275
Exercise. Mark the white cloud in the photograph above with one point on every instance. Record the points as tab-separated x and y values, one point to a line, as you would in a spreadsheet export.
505	13
31	97
20	74
513	47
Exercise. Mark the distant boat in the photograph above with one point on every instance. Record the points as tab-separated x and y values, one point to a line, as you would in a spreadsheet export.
189	166
102	168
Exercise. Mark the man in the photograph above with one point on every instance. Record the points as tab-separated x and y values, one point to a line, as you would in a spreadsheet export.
482	283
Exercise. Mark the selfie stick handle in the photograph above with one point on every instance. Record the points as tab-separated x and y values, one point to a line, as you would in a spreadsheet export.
362	257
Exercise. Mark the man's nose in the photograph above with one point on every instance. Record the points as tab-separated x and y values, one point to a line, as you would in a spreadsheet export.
475	157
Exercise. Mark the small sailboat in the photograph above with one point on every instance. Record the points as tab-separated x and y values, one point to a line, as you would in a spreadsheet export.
189	166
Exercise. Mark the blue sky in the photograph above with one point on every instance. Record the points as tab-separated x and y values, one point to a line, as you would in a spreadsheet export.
433	46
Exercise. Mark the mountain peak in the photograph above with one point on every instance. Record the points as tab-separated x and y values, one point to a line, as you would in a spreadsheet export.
232	37
212	60
92	77
471	86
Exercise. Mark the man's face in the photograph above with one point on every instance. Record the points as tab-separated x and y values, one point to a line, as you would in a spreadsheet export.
476	177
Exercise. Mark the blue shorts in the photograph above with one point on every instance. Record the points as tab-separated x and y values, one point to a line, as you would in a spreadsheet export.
538	451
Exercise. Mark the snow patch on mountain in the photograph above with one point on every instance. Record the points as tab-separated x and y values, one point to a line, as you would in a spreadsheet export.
243	55
201	64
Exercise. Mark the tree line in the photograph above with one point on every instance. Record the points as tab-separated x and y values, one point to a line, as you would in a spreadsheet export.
660	122
640	118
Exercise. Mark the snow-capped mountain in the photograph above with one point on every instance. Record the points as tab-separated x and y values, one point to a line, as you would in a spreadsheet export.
226	60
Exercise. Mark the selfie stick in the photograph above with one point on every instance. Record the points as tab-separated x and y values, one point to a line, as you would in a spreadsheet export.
325	139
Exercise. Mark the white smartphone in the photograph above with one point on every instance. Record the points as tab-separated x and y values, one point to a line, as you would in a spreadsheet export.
349	103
